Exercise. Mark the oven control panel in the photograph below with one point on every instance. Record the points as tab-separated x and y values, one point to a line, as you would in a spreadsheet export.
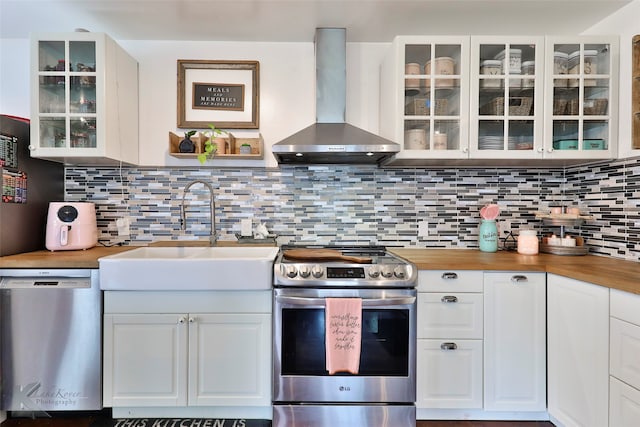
330	274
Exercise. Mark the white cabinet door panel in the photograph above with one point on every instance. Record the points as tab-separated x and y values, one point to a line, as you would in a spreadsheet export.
515	342
145	360
449	378
625	352
450	315
230	359
578	356
625	405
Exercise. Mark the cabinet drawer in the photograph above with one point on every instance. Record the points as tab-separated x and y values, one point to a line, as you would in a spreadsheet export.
450	281
449	377
624	404
625	352
625	306
450	315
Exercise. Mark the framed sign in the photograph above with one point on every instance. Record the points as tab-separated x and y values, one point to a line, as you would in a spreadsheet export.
223	93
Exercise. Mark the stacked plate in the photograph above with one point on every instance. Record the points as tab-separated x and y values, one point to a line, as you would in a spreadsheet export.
488	142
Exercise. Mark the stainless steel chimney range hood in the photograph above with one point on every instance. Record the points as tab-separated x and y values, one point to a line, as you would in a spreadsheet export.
331	140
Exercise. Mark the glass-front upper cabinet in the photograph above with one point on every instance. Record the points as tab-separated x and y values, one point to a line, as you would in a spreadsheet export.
85	99
581	95
424	98
506	97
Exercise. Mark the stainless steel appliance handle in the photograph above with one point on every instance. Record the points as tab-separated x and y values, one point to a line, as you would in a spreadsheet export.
366	302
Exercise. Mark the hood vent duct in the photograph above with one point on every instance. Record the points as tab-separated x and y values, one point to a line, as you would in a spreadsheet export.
330	140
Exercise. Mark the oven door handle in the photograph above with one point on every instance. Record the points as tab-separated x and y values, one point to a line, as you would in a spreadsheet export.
366	302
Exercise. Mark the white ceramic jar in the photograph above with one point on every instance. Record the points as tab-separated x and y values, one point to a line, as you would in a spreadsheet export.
527	242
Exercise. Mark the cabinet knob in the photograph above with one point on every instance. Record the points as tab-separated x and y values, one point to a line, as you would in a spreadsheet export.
550	150
449	298
192	319
518	278
465	150
448	346
449	275
541	150
181	320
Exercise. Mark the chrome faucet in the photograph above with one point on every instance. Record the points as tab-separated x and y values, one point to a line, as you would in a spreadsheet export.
212	210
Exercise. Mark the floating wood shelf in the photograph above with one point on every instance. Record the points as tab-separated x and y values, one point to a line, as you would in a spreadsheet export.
232	147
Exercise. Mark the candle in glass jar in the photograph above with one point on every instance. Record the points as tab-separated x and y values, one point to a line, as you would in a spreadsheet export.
527	242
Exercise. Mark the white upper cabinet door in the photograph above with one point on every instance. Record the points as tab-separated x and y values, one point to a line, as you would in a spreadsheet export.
506	97
424	98
581	97
84	100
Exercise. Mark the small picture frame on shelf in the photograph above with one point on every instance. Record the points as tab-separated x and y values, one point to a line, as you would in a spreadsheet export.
225	93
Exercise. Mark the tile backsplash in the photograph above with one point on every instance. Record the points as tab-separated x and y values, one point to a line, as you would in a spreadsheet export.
436	208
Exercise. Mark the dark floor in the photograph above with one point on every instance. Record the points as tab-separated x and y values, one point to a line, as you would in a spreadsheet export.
102	419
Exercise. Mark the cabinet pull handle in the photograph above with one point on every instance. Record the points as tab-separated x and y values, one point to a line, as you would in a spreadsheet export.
519	278
181	319
448	346
449	276
449	298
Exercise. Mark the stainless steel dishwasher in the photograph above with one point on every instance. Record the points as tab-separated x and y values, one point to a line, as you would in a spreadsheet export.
50	321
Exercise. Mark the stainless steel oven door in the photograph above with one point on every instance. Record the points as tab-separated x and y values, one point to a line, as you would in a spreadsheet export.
388	352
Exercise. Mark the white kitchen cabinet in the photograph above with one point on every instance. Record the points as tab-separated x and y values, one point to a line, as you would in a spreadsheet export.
624	404
145	360
230	359
188	350
506	97
449	374
581	97
624	394
449	355
577	352
515	342
425	97
84	100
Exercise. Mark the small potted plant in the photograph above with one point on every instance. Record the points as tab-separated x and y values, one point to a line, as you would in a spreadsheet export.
187	145
210	145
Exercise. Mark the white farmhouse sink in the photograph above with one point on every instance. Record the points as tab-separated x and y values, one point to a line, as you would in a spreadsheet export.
188	268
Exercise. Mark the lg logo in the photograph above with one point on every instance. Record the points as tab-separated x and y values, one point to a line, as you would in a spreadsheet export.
343	388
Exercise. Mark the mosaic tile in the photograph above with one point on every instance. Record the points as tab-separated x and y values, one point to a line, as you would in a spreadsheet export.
363	204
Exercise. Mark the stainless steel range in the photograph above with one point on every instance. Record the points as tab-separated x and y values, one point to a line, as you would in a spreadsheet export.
382	390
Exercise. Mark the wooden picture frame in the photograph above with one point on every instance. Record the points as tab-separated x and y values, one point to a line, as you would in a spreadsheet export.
223	93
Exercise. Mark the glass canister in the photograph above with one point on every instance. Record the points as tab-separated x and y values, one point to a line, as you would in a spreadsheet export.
488	236
527	242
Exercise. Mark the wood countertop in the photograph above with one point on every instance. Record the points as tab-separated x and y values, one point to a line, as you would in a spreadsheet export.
604	271
89	258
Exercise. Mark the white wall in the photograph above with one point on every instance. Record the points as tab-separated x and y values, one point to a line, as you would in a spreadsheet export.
14	77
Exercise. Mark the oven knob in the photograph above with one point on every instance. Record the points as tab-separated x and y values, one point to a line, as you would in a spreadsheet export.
291	271
317	271
374	272
304	271
399	272
386	271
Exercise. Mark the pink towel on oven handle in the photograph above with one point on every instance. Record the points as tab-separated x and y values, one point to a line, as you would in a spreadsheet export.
343	334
